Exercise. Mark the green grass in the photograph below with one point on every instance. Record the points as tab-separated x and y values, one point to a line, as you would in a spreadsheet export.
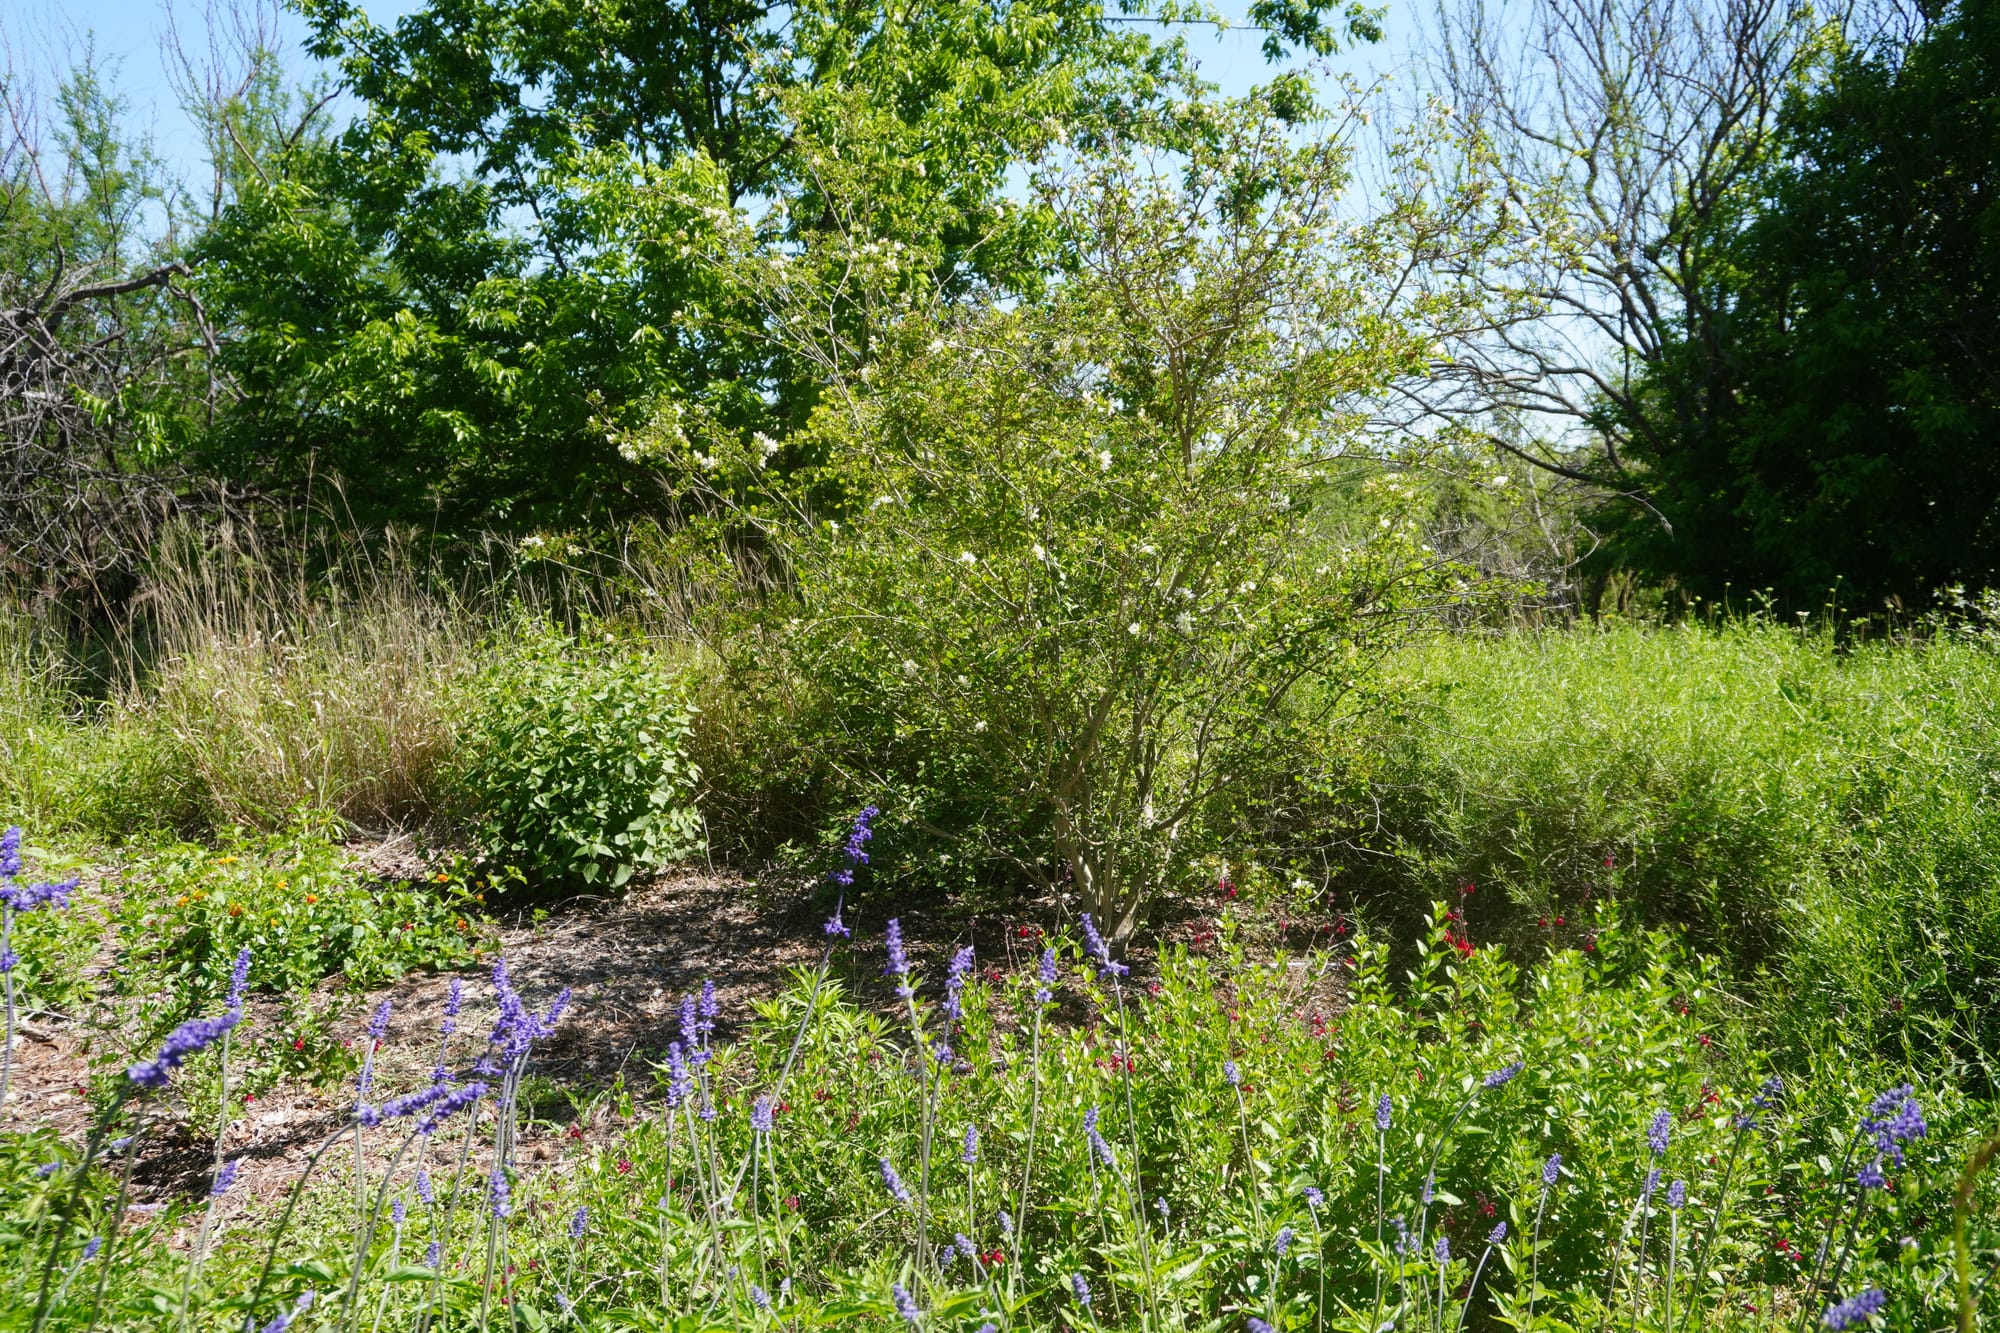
1820	818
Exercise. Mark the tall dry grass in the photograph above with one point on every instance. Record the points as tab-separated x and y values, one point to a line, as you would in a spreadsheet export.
277	693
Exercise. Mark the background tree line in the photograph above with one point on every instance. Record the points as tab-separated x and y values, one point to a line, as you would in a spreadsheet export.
435	277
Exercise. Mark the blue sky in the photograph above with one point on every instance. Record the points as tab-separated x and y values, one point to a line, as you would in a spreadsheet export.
129	32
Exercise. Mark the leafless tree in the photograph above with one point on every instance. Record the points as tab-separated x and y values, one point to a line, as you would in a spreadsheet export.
1622	127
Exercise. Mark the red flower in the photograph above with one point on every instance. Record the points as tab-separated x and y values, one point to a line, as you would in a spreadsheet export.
624	1166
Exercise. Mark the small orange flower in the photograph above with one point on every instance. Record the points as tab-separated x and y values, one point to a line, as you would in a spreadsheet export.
442	877
461	923
181	901
311	898
236	909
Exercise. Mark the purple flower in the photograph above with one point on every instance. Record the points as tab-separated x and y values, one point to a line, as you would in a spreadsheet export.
92	1246
1443	1249
1893	1119
1047	977
965	1246
1677	1195
28	897
449	1105
1500	1078
424	1187
709	1007
1081	1288
1231	1074
1095	1140
899	962
284	1318
835	927
970	1154
1870	1176
894	1183
679	1081
1006	1223
499	1193
1855	1309
1552	1169
1160	1207
906	1304
1314	1199
1282	1242
691	1029
47	1169
1430	1189
954	982
452	1003
239	978
190	1038
555	1012
1652	1183
10	852
760	1115
225	1177
1094	945
759	1297
9	960
432	1253
1256	1325
1498	1235
399	1211
855	851
1382	1108
1657	1132
407	1105
579	1223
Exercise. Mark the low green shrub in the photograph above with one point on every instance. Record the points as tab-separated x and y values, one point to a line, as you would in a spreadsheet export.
301	906
574	759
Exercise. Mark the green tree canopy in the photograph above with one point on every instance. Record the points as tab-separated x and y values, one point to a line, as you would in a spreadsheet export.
455	306
1834	424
